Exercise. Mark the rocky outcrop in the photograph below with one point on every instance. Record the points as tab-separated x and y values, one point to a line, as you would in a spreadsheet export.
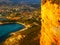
50	29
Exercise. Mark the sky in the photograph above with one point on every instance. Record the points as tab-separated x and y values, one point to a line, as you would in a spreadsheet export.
19	1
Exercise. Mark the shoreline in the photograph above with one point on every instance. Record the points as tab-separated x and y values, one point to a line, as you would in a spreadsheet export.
13	33
7	34
26	27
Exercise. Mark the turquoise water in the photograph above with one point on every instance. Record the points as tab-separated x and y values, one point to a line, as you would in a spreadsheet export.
6	29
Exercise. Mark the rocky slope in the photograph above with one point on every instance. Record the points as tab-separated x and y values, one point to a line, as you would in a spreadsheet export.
29	36
50	32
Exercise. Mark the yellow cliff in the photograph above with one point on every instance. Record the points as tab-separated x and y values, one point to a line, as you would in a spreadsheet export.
50	29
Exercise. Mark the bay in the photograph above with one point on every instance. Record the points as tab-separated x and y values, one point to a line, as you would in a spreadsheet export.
6	29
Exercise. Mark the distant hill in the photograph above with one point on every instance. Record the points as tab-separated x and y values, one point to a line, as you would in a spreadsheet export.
19	2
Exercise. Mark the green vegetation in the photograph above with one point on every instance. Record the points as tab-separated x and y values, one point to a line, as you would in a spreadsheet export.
27	16
31	37
30	34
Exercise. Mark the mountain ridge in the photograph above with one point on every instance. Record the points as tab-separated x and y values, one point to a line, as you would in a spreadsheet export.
21	1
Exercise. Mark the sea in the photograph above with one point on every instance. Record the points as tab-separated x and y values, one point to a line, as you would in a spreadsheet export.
6	29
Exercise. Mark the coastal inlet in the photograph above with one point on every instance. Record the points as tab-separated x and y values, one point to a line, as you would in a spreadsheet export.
6	29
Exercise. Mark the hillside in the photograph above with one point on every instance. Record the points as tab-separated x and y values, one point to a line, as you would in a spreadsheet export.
29	36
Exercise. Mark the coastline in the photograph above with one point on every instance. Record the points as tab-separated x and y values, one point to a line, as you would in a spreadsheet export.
7	35
26	27
13	33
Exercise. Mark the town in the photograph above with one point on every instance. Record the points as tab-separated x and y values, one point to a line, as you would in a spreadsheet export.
21	13
27	15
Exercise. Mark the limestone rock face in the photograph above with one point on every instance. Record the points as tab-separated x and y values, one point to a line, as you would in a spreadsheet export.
51	1
50	29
